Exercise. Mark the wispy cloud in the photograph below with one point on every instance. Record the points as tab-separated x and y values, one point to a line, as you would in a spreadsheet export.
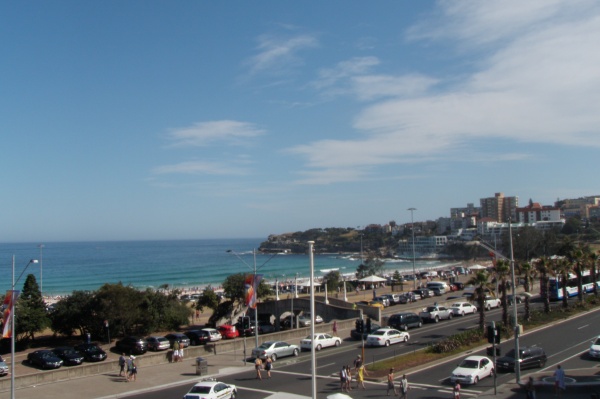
205	133
537	81
200	168
276	53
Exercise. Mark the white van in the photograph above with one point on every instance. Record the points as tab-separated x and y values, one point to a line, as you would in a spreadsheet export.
440	285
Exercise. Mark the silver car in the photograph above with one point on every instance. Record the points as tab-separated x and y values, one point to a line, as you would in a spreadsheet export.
275	350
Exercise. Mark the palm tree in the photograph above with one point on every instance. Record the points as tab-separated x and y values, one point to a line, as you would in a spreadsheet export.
576	256
562	268
502	272
592	260
482	284
542	266
528	273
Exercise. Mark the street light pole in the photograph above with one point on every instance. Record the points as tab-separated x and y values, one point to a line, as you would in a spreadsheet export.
12	324
41	246
313	354
412	221
516	325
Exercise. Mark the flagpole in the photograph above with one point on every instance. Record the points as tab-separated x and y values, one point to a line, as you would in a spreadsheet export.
12	332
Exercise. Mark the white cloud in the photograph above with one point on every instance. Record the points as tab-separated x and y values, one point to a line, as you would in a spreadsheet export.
277	52
330	76
204	133
200	168
539	82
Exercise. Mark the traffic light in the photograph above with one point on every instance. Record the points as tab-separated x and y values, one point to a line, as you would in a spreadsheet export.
359	325
493	334
246	323
369	325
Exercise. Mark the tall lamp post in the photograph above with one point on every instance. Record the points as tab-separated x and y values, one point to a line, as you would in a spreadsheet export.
41	246
313	354
12	323
515	314
255	269
412	222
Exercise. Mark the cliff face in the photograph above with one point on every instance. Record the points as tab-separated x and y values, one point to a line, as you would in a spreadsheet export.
330	240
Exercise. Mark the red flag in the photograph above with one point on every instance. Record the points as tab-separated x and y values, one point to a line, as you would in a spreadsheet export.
6	319
251	285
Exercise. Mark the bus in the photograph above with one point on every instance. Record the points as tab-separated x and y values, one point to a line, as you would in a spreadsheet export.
555	286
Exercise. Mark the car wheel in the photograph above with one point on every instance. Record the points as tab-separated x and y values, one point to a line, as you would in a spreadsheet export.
319	347
420	324
462	314
488	307
406	338
232	395
387	343
450	316
337	343
296	352
436	320
274	357
476	380
405	328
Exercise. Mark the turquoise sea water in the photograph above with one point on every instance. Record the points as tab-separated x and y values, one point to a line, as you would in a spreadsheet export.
69	266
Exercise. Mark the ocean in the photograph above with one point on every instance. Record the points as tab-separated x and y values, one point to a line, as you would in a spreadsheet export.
185	264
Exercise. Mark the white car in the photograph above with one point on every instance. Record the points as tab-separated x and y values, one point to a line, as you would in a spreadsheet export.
463	308
214	334
306	319
472	369
211	389
594	351
386	337
321	341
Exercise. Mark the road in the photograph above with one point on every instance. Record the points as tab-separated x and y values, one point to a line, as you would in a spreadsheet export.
565	343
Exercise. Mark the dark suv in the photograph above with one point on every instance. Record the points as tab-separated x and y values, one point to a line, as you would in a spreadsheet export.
198	337
404	321
183	339
529	357
132	345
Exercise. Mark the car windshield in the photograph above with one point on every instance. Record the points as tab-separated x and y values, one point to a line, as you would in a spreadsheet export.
200	389
456	305
597	341
266	345
469	364
431	308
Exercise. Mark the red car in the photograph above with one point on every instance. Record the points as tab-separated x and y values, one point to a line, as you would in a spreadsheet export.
228	331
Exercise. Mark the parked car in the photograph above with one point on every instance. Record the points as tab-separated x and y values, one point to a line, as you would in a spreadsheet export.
383	300
408	297
463	308
275	350
197	337
183	340
386	337
3	367
157	343
286	322
318	319
226	331
371	303
321	341
91	352
303	321
594	351
423	293
45	359
264	327
472	369
394	299
69	355
459	286
404	321
211	389
132	345
529	357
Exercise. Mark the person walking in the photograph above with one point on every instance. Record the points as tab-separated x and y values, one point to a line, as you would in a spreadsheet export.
348	379
268	366
175	351
343	378
129	362
404	387
335	327
133	374
357	362
559	381
258	366
180	354
390	383
122	365
530	389
456	390
360	376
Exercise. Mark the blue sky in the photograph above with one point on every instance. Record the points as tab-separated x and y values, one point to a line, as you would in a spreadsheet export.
195	119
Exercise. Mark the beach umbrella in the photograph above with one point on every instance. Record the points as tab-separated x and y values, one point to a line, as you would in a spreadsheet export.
477	267
372	279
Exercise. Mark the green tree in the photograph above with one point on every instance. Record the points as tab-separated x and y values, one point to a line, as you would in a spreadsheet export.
528	272
333	279
73	313
235	290
562	267
122	306
482	284
30	315
209	299
543	267
161	312
502	273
